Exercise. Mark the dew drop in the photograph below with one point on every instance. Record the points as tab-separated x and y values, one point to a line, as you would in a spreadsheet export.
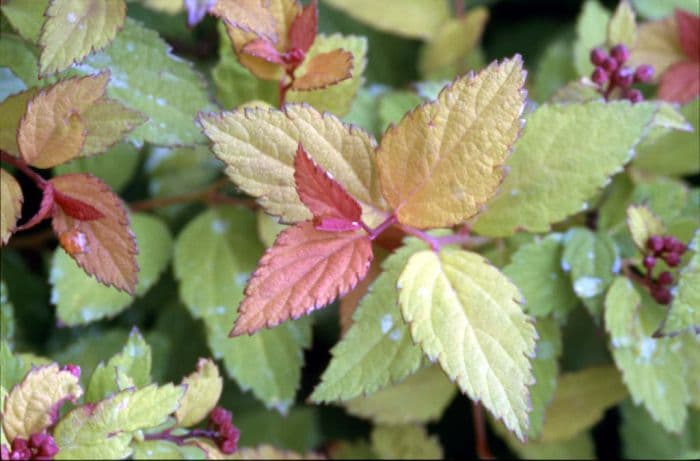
386	323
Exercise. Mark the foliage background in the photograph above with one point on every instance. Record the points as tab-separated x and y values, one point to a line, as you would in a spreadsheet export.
527	27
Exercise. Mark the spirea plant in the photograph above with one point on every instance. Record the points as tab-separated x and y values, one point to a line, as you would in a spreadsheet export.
348	229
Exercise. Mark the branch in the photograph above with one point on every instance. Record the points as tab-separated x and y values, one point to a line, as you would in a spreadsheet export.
482	443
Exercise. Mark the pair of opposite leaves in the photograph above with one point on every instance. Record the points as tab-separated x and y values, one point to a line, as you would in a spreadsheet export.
70	119
436	168
273	38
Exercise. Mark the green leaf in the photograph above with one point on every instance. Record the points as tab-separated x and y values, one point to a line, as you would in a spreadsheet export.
409	18
105	429
685	309
214	257
9	83
652	368
80	299
75	28
672	152
653	9
545	369
642	224
161	449
299	430
581	446
405	442
269	228
580	400
20	57
12	110
234	84
428	390
592	260
590	32
203	391
337	98
26	17
116	167
132	365
91	348
14	368
565	155
554	70
377	349
536	269
622	27
466	314
643	438
7	316
394	105
664	196
148	78
363	111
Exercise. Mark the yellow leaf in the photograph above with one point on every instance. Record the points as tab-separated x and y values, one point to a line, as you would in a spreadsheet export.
622	27
31	405
52	130
453	41
408	18
325	69
11	198
580	401
107	121
75	28
258	146
203	391
444	160
467	315
642	224
657	45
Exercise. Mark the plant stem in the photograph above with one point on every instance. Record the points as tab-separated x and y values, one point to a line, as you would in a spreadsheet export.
438	242
284	87
482	443
181	439
21	165
210	195
459	8
374	233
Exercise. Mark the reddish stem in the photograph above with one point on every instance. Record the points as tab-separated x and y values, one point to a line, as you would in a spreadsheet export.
459	8
284	88
482	443
376	232
21	165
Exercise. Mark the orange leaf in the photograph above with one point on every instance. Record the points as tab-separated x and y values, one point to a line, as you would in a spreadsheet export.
681	82
325	69
333	208
52	130
248	15
303	31
304	270
103	247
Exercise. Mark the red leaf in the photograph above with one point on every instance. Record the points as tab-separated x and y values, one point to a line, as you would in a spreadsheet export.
303	31
689	33
77	208
304	270
333	208
325	69
263	49
103	247
681	82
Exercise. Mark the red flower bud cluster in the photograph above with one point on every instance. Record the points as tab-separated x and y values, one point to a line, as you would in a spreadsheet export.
39	446
220	420
610	70
670	249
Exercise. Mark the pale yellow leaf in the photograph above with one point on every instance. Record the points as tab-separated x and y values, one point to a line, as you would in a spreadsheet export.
201	395
75	28
642	224
467	315
409	18
657	45
445	159
11	199
258	146
31	406
622	27
107	121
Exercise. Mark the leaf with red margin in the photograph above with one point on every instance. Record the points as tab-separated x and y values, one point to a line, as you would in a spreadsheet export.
325	69
304	270
303	31
263	49
681	82
247	15
333	208
103	247
689	34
